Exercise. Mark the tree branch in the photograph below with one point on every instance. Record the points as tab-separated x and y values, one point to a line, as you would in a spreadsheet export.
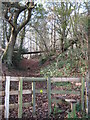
24	22
8	18
14	4
27	20
17	11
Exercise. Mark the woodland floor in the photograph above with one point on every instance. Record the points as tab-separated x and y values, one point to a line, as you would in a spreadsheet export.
32	68
28	68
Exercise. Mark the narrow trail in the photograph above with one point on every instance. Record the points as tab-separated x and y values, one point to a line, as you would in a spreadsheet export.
28	67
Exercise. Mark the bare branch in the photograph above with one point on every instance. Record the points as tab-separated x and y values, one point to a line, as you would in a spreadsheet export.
8	18
27	20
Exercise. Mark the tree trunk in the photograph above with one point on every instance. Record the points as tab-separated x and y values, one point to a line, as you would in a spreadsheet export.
22	37
10	48
62	48
3	42
21	44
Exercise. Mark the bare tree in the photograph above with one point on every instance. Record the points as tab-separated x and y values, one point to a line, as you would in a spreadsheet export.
11	15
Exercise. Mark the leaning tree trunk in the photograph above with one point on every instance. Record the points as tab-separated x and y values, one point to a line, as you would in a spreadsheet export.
10	48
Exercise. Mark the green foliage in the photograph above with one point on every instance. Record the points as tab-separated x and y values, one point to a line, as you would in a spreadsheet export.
51	71
43	60
83	113
69	115
56	110
72	63
78	107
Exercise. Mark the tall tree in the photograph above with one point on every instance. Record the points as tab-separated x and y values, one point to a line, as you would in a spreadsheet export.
11	15
88	7
39	24
63	11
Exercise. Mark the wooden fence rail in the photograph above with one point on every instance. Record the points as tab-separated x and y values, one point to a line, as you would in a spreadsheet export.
49	92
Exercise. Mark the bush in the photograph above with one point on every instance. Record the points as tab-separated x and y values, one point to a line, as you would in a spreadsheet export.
43	60
70	64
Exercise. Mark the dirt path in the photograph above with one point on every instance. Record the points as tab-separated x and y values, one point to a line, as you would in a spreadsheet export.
29	68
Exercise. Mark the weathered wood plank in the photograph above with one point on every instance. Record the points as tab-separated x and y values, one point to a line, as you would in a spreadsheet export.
54	79
14	79
15	105
65	79
65	92
12	92
30	79
34	79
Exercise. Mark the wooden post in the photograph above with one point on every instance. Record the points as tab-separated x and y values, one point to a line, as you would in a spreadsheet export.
82	94
20	98
7	88
0	97
49	94
33	97
0	64
73	109
86	95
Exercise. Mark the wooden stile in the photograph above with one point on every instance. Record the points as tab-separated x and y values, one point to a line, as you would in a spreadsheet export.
49	80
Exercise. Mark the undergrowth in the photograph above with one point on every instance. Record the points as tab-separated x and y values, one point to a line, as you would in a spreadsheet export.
72	63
